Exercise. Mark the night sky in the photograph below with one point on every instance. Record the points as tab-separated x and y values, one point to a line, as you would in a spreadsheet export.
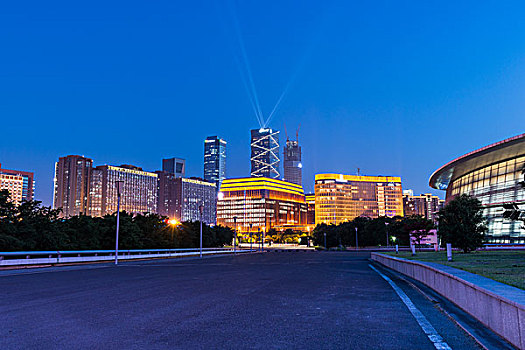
394	88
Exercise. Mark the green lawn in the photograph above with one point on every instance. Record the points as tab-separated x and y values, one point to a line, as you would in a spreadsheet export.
502	266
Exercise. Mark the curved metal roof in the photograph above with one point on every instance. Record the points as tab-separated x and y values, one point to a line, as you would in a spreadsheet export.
497	152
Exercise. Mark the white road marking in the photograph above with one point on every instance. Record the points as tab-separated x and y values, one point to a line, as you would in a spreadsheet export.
429	330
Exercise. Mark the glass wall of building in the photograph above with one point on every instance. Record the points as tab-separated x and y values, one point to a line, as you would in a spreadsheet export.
495	185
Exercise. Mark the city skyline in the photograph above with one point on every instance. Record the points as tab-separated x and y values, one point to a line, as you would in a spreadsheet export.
396	95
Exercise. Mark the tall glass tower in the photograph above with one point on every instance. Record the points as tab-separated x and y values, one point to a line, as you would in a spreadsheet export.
265	153
215	160
292	162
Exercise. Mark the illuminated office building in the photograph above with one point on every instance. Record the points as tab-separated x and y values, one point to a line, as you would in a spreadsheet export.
340	198
495	175
138	191
28	183
293	168
310	202
71	185
258	204
425	205
190	194
176	166
214	160
265	160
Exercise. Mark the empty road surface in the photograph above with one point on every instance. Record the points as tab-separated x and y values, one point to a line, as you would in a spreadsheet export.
295	300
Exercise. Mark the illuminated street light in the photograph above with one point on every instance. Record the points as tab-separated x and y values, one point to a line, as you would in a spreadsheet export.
201	209
119	185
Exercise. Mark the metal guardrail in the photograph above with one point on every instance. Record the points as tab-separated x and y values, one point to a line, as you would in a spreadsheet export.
75	256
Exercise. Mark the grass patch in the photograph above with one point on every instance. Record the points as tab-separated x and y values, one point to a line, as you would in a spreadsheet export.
503	266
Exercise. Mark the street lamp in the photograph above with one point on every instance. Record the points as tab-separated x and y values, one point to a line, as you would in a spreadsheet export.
234	234
119	185
201	209
386	224
251	243
356	243
325	247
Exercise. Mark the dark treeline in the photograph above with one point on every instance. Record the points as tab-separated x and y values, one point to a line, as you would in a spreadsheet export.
373	232
31	226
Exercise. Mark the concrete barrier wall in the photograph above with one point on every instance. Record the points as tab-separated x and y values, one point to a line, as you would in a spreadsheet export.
498	306
122	256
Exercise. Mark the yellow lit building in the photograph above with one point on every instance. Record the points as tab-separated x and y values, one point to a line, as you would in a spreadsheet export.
259	203
14	184
340	198
310	202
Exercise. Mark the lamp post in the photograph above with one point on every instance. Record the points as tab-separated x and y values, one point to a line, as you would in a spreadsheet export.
234	234
251	225
325	247
356	243
201	209
386	224
119	184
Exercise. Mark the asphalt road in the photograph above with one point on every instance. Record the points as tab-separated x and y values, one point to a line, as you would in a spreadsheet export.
296	300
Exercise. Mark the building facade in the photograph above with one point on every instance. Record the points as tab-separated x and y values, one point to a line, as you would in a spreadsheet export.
215	160
28	182
138	191
193	192
15	185
265	160
175	166
425	205
495	175
292	166
259	204
310	202
71	185
340	198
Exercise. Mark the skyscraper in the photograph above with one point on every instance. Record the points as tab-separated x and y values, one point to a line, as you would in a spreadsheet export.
265	153
292	165
71	183
28	182
175	166
214	160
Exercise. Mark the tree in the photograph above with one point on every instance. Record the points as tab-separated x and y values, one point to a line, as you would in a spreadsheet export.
418	227
462	224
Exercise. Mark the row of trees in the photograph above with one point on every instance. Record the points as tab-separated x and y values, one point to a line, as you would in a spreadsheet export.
31	226
460	223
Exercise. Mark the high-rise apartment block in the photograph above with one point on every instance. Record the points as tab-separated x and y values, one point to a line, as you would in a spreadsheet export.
175	166
21	184
292	165
14	184
265	160
426	205
71	185
340	198
214	160
258	204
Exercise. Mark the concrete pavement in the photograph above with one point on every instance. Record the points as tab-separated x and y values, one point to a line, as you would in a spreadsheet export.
299	300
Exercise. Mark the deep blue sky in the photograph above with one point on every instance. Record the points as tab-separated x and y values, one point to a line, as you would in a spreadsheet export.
395	88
